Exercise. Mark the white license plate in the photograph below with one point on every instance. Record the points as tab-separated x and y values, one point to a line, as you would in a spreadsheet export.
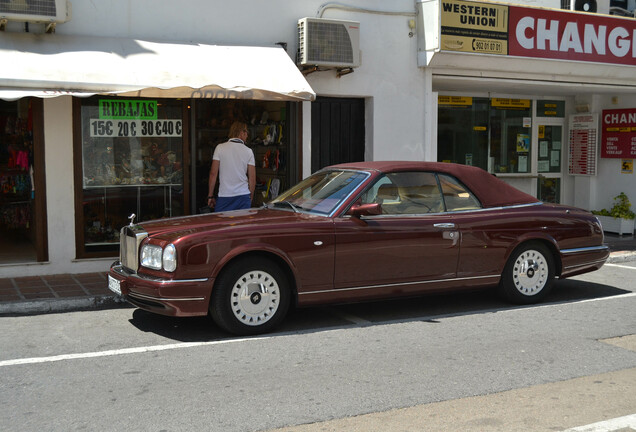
114	285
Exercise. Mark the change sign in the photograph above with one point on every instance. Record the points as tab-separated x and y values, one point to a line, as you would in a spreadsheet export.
619	133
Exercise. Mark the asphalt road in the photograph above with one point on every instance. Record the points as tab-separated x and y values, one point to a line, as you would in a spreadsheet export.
430	363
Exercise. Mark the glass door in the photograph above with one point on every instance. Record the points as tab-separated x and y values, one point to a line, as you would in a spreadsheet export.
549	162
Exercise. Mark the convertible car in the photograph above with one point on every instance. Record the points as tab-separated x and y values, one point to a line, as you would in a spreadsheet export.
356	232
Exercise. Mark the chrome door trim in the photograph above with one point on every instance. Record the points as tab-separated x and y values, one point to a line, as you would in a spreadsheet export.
335	290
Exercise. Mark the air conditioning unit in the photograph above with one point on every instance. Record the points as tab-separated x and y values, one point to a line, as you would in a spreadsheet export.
592	6
328	43
37	11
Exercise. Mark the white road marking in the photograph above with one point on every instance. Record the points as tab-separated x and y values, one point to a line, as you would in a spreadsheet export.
123	351
620	296
620	266
616	424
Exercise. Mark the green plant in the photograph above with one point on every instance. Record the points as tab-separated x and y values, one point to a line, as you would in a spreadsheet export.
621	208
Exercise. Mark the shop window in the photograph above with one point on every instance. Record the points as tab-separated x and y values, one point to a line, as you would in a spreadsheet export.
131	162
463	131
22	203
493	134
510	123
270	136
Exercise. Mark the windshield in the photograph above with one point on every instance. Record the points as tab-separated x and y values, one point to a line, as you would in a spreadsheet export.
320	193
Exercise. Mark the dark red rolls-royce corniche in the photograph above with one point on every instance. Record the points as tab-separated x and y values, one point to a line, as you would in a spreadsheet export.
354	232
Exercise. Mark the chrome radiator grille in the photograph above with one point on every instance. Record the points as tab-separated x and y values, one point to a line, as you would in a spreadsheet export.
130	239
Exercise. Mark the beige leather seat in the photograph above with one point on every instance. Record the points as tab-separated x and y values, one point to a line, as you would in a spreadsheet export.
422	199
388	198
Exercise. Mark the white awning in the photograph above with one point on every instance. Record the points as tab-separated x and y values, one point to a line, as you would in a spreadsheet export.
49	65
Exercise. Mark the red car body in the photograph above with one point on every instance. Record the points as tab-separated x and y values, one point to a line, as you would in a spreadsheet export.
356	252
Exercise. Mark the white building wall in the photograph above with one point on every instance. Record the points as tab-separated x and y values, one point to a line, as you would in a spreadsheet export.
60	197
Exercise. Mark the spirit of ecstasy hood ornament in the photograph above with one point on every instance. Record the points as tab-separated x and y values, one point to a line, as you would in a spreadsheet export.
132	219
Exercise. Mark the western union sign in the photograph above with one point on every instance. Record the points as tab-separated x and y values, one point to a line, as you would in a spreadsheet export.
469	26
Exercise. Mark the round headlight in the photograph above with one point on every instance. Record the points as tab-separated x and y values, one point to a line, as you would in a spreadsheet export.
170	258
151	256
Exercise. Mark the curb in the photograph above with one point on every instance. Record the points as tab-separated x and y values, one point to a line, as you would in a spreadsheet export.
114	301
621	257
61	305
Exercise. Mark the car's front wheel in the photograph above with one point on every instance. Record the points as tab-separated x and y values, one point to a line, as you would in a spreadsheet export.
528	275
251	296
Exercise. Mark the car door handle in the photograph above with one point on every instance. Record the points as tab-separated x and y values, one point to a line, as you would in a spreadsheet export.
445	225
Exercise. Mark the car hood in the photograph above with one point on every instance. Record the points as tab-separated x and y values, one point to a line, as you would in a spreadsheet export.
171	228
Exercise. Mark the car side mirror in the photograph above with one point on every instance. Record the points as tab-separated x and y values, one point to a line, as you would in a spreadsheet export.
358	210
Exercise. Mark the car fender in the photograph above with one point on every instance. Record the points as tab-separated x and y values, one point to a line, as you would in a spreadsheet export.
258	249
539	236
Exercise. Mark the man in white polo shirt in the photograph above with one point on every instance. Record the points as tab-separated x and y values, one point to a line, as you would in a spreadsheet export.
233	163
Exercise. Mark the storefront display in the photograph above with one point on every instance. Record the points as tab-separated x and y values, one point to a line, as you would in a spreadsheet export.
132	162
17	190
134	157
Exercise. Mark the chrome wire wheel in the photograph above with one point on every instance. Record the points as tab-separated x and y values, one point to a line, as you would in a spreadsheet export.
255	298
530	272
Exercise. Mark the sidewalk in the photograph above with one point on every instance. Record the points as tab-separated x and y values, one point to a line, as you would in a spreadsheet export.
71	292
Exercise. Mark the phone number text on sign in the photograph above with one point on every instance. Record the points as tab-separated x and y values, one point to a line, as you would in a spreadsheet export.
136	128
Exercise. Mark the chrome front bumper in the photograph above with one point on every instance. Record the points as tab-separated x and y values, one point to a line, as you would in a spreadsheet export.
177	297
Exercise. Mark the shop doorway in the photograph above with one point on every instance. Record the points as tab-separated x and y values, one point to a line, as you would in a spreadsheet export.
272	136
337	131
22	200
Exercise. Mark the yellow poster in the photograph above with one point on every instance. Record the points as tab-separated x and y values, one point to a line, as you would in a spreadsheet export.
475	27
455	100
510	103
523	143
627	166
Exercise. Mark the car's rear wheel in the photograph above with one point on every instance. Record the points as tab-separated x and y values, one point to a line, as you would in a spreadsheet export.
528	275
251	296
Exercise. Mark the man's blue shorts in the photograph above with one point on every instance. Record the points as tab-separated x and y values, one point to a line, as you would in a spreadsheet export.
233	203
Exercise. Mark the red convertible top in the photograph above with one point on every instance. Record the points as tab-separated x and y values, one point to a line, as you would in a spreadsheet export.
490	191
